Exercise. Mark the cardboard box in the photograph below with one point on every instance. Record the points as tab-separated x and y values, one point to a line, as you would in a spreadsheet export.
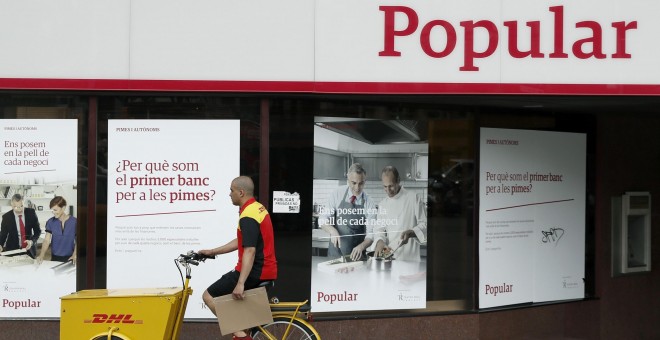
236	315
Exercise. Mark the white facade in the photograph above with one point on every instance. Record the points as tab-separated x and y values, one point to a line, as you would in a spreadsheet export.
581	47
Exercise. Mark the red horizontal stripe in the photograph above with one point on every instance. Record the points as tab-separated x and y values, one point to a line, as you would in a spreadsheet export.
527	205
167	213
324	87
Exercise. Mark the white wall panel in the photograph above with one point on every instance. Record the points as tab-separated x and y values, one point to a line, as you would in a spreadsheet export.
322	41
222	40
64	39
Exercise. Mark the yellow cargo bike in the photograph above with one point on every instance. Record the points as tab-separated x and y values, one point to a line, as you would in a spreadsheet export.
157	313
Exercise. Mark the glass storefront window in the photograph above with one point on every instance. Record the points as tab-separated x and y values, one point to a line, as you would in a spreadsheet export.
442	174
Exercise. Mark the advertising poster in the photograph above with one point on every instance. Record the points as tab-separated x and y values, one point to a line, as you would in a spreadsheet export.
39	162
531	216
168	193
355	208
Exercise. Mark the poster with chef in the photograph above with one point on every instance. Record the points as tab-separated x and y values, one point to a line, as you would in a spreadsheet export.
369	220
168	195
531	216
39	168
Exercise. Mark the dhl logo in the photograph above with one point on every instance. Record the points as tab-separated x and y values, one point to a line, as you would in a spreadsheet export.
113	318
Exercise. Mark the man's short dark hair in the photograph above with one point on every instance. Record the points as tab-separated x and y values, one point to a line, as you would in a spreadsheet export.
391	170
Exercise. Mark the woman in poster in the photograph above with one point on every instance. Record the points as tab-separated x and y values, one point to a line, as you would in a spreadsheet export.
60	232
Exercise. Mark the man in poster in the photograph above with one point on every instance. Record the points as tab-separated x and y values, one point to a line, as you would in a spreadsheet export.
401	224
20	228
348	217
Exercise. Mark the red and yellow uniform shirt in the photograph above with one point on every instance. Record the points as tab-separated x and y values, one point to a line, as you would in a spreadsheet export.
255	229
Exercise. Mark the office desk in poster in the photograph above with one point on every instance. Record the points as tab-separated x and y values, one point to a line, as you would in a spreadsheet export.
30	290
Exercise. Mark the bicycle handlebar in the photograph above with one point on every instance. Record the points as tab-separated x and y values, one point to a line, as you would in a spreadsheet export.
193	258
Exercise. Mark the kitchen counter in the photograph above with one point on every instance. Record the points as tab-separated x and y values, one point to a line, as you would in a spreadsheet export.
320	242
371	270
320	238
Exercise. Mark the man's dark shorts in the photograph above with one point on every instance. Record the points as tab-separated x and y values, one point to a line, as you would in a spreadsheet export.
226	284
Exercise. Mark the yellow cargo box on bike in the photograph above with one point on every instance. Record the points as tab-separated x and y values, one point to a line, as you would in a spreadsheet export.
121	313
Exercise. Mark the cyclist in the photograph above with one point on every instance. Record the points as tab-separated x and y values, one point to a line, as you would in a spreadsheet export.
255	244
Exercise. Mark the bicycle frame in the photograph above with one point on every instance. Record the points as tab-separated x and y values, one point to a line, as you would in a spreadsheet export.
186	293
289	319
288	314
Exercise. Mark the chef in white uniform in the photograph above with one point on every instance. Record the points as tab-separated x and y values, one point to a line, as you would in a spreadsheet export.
401	221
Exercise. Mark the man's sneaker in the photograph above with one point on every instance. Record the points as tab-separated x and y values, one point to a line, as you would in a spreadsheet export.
247	337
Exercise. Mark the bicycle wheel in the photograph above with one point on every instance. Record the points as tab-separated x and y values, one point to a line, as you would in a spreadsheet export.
299	330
